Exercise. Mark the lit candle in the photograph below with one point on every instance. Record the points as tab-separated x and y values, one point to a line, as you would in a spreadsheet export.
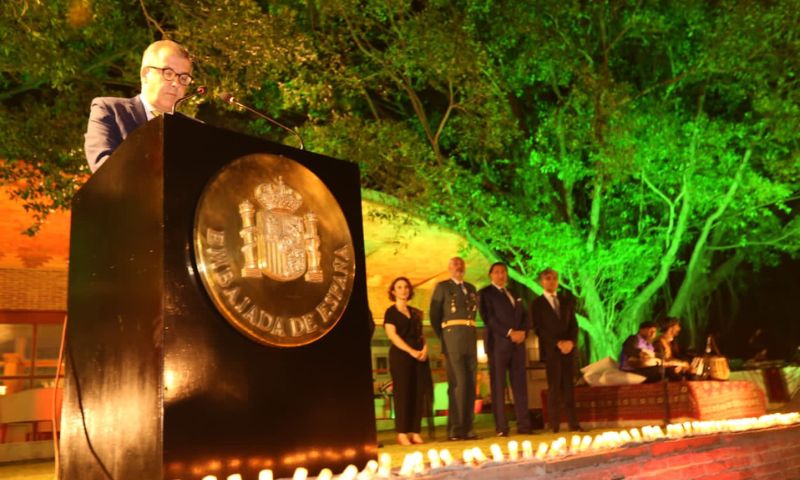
419	463
349	473
371	468
466	455
541	452
209	477
513	450
408	466
599	442
575	444
433	457
635	435
557	447
497	453
300	474
527	449
553	450
446	457
325	474
687	427
385	468
586	443
477	455
265	475
625	436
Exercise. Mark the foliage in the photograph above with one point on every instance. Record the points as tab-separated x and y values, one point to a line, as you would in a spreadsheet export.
643	149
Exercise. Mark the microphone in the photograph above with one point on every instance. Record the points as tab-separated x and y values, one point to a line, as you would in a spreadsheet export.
228	98
199	91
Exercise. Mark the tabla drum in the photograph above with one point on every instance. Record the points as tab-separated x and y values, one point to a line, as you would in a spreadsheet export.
719	368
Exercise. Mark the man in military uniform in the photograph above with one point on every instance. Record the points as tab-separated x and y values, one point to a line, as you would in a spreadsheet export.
453	308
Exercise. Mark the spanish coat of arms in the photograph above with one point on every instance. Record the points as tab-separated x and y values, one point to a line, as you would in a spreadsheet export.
278	243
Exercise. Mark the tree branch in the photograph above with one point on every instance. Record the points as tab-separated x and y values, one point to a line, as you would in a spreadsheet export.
152	21
594	219
774	242
402	82
450	106
669	203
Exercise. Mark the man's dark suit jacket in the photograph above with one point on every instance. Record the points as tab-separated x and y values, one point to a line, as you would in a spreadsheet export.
111	120
499	316
550	327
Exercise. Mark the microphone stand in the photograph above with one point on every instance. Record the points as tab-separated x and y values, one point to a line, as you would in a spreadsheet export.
230	99
199	91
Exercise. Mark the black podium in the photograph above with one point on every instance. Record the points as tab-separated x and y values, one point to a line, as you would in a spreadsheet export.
159	383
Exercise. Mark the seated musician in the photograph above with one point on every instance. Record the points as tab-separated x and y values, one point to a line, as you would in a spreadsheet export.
638	354
666	348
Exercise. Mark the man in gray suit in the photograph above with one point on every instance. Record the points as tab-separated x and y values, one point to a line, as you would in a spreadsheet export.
166	72
453	307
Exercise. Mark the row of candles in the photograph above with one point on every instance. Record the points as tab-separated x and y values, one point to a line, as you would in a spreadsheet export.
438	460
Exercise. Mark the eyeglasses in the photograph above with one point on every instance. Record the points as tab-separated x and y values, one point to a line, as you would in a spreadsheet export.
169	75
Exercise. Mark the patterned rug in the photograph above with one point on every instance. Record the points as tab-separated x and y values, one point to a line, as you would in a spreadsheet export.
632	404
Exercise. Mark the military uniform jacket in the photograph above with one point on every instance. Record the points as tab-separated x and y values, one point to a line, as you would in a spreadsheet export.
449	302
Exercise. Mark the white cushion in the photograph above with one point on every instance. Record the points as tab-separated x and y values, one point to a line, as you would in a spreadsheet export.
593	371
619	377
607	372
599	365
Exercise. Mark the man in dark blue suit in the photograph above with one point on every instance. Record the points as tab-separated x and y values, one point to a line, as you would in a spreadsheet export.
506	327
166	72
555	322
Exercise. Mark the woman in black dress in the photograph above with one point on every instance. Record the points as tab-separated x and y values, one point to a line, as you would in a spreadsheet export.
408	361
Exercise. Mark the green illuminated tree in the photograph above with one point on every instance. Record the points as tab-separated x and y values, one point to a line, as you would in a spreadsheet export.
645	150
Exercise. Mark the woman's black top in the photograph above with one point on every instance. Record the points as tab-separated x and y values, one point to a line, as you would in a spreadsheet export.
409	329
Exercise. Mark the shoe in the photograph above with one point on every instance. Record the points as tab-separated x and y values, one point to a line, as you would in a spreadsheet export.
402	439
556	429
576	428
455	438
524	432
502	434
471	437
416	439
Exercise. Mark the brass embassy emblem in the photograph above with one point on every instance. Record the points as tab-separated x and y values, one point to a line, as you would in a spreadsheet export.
273	250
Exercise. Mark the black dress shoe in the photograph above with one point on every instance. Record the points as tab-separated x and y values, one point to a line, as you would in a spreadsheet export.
556	429
524	432
455	439
576	428
471	437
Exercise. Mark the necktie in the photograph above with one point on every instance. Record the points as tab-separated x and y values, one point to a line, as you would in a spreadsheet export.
556	305
508	295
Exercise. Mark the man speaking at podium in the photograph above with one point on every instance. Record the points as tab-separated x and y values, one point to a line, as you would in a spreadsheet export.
165	74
